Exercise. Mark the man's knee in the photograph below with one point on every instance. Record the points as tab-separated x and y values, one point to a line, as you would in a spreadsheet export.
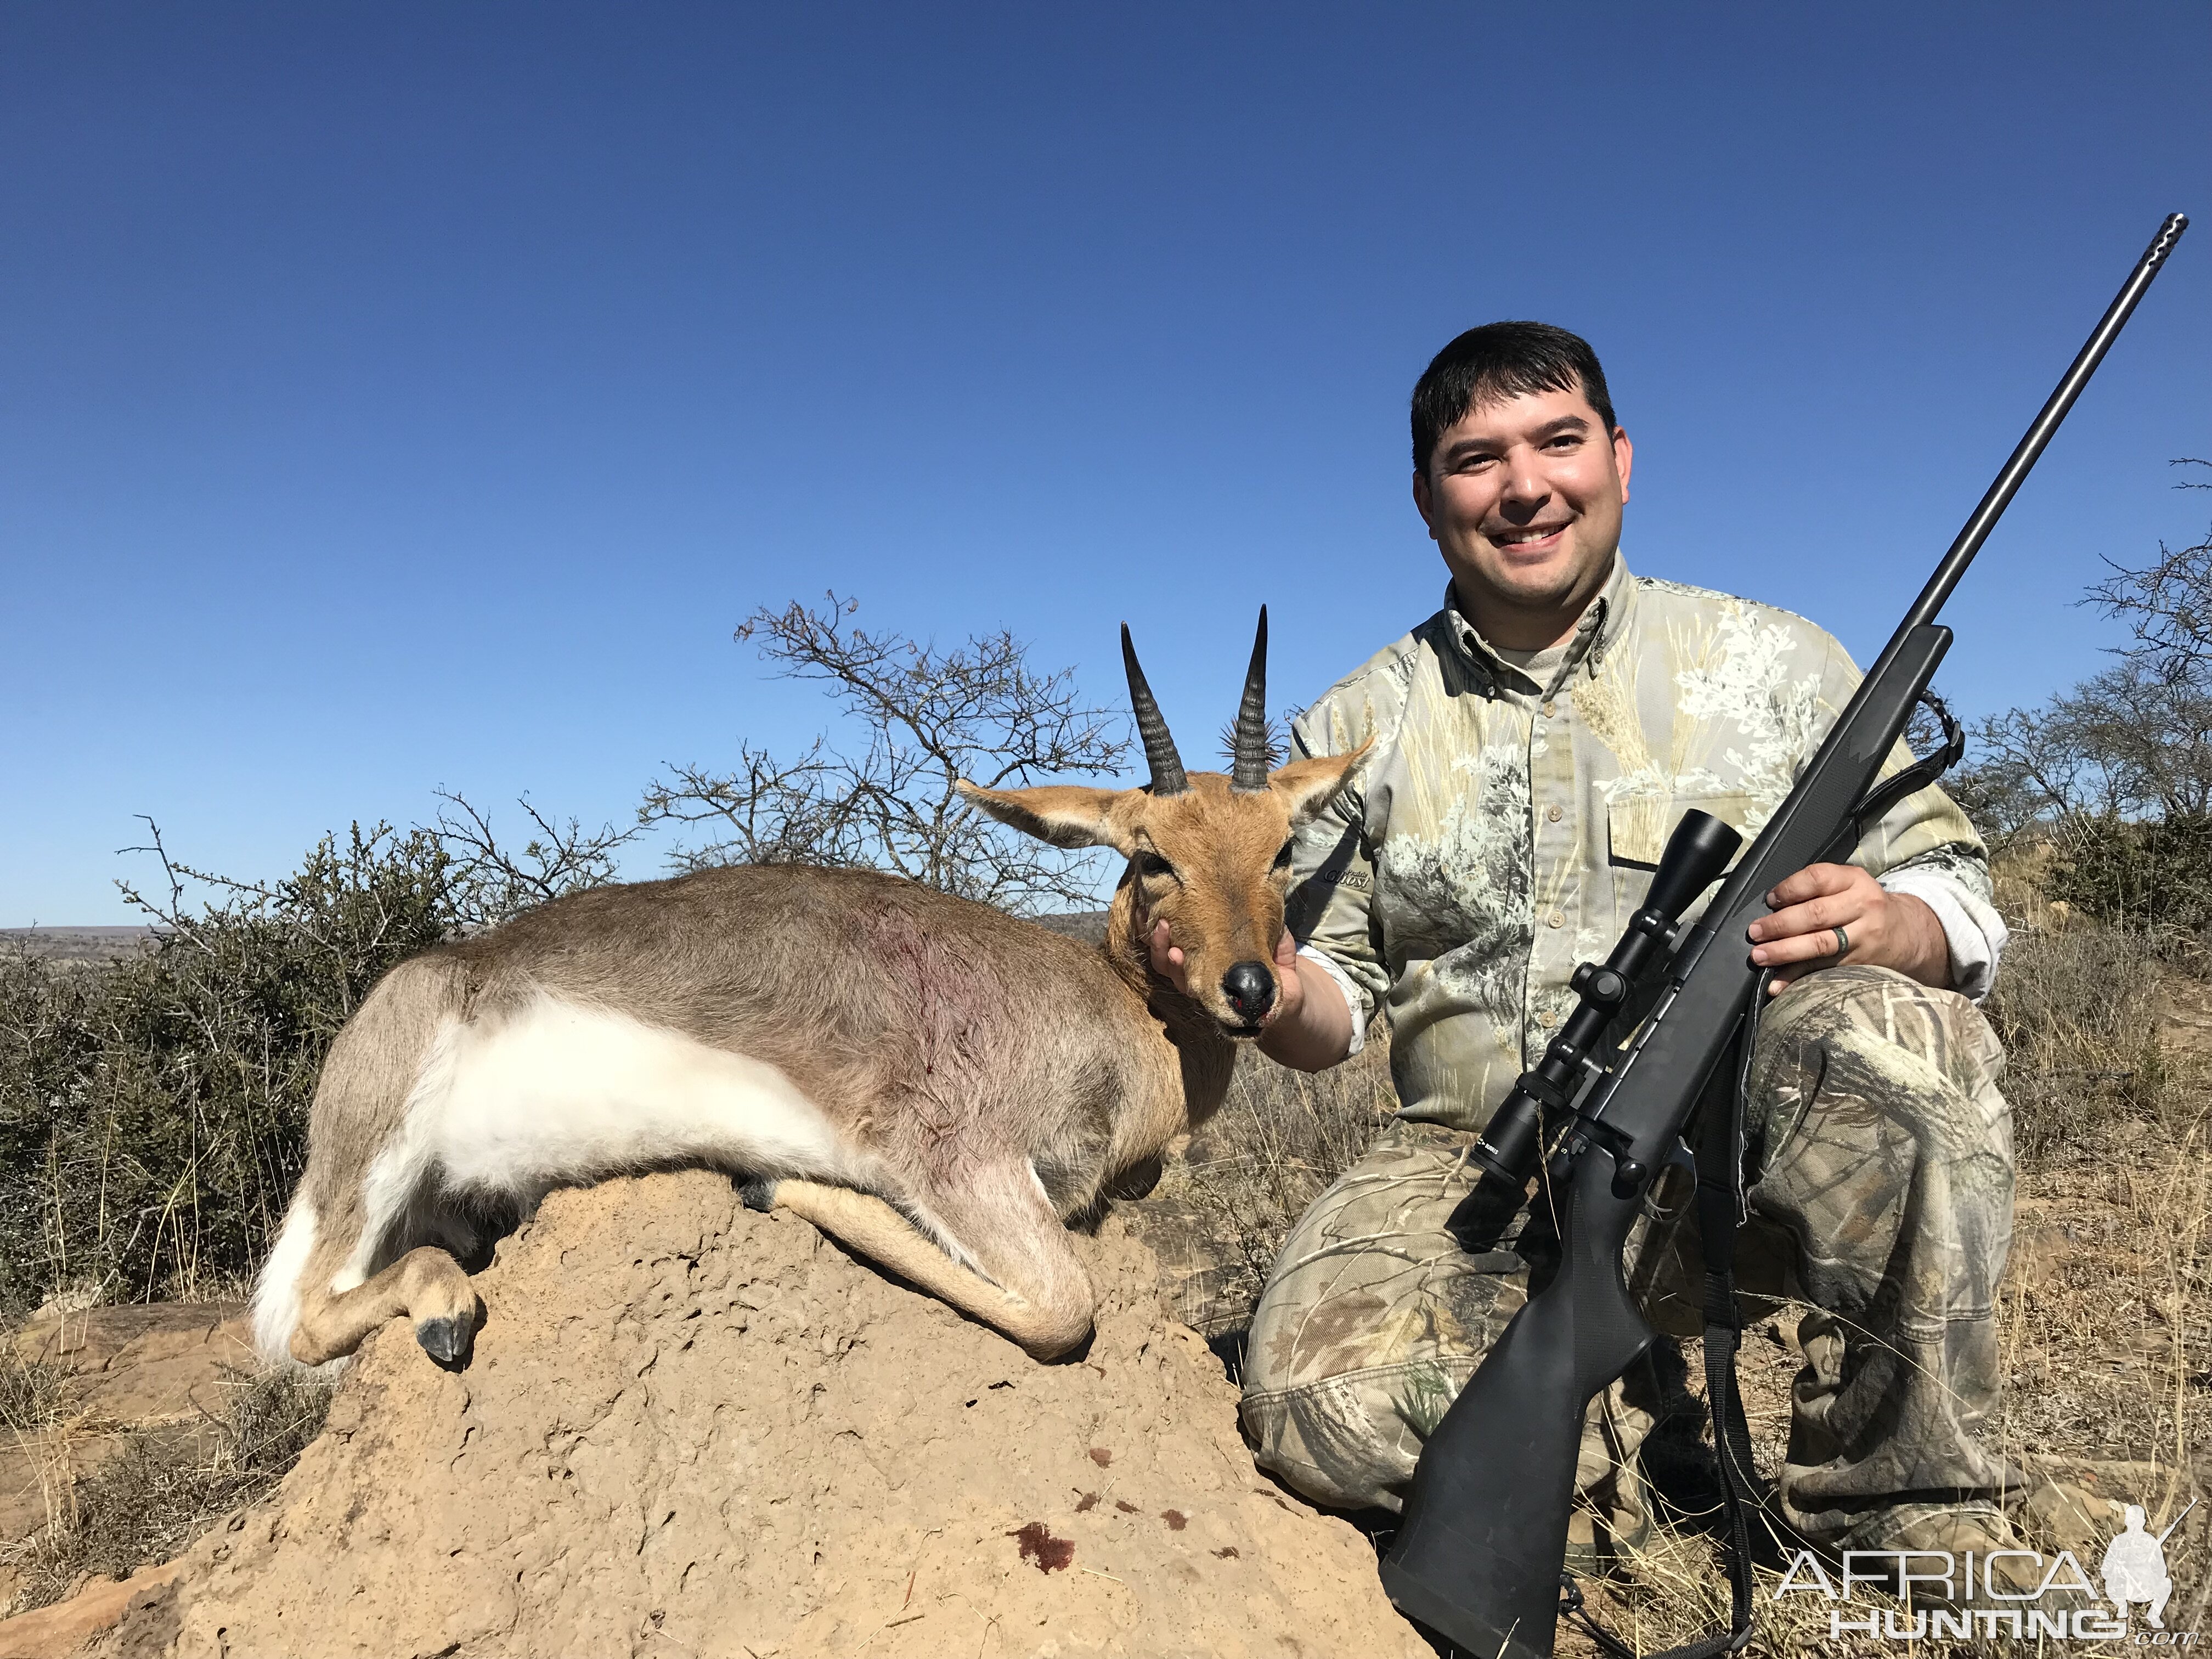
1350	1441
1880	1143
1870	1006
1883	1048
1371	1320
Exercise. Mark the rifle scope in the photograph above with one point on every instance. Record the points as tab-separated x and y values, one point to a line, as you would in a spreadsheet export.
1512	1143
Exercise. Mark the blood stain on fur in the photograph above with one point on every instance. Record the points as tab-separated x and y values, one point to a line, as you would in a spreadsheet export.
1086	1503
1101	1456
1227	1553
1126	1508
1176	1519
1040	1548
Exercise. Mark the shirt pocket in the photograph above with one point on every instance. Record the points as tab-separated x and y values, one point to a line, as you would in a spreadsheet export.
1638	827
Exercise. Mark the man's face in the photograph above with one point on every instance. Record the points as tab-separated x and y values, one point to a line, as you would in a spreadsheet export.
1523	498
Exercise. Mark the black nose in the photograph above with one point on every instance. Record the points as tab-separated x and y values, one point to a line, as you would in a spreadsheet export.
1250	990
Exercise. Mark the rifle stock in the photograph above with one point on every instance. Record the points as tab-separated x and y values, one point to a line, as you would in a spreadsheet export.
1478	1554
1477	1557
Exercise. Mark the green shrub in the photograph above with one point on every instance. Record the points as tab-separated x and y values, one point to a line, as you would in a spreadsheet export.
152	1111
2152	876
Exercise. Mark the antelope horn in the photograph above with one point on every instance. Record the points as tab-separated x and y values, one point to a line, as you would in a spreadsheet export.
1248	768
1168	775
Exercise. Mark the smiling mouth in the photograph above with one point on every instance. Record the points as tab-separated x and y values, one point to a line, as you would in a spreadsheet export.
1528	537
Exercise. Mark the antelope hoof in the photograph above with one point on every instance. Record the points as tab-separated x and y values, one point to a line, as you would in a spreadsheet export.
446	1340
758	1194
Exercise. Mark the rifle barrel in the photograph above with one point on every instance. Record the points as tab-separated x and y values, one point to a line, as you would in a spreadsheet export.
2177	1520
1984	517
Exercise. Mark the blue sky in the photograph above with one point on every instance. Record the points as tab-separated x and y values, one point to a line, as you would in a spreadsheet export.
409	396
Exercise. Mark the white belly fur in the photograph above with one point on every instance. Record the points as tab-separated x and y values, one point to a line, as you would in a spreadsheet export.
563	1092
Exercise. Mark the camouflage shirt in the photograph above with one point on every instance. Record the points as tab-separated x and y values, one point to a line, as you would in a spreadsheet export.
1507	821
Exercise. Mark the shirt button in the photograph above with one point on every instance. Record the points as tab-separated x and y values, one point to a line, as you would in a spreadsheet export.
1548	708
1558	918
1553	813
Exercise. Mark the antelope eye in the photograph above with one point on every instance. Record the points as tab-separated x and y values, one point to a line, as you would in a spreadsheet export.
1283	857
1151	864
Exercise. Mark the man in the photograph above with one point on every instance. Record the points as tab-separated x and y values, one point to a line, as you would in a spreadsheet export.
2134	1570
1535	742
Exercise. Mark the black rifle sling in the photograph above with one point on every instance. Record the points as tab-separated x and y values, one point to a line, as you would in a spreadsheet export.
1722	1206
1915	777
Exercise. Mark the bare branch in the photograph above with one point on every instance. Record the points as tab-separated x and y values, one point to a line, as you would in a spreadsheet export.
2133	741
926	719
2167	604
487	882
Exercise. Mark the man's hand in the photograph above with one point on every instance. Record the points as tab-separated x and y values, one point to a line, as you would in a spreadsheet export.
1886	929
1167	961
1290	996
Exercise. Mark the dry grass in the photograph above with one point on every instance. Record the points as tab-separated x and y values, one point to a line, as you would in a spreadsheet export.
164	1486
30	1392
1223	1209
2079	1013
1280	1140
2106	1324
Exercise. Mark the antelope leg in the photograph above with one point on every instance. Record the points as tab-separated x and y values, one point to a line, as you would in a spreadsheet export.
425	1285
1047	1312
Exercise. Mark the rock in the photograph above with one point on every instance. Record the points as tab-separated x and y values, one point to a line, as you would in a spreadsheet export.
154	1365
67	1625
2069	1516
690	1429
141	1361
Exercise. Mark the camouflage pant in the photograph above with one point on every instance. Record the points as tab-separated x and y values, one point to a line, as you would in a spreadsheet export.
1881	1153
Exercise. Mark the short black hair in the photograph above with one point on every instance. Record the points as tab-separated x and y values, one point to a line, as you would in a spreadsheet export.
1500	361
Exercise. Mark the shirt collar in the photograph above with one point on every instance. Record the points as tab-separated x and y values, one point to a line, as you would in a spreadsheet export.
1596	633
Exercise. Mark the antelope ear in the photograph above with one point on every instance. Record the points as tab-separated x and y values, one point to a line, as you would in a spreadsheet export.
1064	814
1308	786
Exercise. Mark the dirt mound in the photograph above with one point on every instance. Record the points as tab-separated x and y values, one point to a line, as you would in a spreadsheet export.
691	1430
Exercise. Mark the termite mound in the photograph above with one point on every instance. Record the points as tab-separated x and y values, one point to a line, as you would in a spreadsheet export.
688	1427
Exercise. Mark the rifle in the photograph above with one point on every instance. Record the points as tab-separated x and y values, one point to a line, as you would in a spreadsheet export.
1479	1552
2176	1521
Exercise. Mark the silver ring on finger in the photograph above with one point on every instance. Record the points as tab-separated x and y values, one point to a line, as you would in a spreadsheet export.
1843	943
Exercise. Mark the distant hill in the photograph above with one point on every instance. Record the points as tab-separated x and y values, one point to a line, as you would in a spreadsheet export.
76	944
1088	926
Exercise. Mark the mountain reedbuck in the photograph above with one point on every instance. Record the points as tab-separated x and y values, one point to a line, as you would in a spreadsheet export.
936	1083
